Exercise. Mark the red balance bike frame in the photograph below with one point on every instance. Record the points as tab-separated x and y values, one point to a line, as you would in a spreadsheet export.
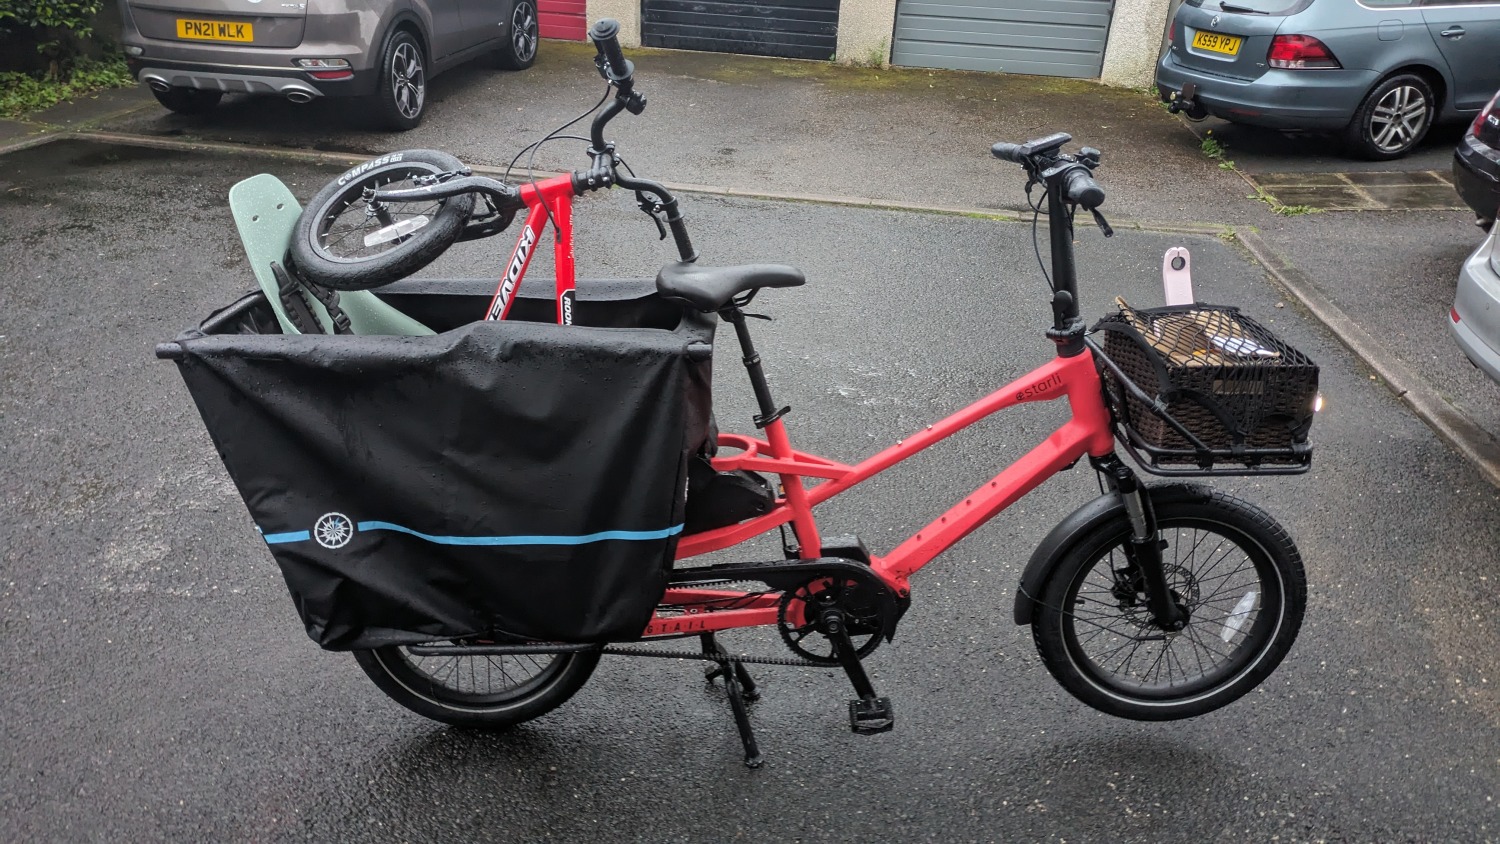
550	199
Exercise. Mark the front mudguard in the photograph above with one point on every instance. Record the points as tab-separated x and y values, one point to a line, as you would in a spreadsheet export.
1080	523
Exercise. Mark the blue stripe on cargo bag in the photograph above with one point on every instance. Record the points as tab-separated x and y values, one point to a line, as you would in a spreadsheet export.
630	535
603	536
279	538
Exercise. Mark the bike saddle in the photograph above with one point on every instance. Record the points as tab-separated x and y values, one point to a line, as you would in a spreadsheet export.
711	288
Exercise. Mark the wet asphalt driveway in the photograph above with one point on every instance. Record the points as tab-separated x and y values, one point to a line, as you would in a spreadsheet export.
158	685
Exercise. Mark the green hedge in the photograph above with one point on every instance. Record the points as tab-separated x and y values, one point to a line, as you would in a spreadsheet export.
21	93
72	16
48	36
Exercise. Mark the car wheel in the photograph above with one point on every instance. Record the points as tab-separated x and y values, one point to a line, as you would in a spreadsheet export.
401	95
1393	118
518	52
188	100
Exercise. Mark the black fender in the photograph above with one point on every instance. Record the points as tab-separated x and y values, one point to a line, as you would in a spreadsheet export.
1080	523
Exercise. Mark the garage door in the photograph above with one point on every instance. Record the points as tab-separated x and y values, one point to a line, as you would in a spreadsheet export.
1039	37
794	29
561	19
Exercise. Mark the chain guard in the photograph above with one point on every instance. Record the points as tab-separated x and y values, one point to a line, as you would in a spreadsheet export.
871	609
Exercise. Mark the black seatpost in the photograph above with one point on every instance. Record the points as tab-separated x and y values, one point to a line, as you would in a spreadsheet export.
768	411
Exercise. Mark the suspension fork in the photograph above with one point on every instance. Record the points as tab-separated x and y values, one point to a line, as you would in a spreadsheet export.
1143	550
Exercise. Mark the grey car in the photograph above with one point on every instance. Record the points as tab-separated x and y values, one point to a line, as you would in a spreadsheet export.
192	52
1378	71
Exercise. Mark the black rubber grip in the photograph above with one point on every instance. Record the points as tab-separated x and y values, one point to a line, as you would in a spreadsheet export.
1008	152
604	33
1082	189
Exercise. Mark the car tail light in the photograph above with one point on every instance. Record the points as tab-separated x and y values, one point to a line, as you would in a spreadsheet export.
1485	114
326	68
1172	32
1300	52
1453	313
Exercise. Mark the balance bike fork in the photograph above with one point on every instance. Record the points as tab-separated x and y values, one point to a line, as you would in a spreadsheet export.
1143	551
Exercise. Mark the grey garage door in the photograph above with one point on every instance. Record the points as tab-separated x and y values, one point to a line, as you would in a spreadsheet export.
1039	37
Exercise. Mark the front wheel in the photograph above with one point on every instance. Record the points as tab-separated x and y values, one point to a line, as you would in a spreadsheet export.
1231	566
518	51
346	241
489	692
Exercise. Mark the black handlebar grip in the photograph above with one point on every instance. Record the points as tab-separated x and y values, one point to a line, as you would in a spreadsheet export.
1008	152
604	33
1082	189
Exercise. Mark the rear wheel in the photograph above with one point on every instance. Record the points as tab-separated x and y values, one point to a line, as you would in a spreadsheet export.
492	692
1234	570
188	100
346	242
519	50
1393	118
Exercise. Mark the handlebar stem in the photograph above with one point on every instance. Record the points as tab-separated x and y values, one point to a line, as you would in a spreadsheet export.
1064	270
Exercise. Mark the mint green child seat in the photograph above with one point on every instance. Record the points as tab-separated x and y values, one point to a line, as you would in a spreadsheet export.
265	212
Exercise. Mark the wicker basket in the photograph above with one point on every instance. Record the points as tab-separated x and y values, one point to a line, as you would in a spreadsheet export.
1243	392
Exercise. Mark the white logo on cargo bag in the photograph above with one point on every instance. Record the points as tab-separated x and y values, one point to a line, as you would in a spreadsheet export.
333	530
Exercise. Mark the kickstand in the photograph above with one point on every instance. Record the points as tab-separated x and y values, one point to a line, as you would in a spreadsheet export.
739	688
868	713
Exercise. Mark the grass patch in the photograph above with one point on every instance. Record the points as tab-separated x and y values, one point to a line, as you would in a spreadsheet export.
23	93
1215	149
1262	195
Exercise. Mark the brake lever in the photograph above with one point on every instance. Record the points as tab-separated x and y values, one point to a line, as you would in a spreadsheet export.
652	208
1102	223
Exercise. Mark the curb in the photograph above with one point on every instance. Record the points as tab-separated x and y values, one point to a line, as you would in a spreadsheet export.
1473	442
46	135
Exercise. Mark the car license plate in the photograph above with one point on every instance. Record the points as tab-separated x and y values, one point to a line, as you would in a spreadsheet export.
1213	42
199	30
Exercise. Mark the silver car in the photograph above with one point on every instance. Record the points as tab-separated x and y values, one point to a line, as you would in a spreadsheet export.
192	52
1475	316
1378	71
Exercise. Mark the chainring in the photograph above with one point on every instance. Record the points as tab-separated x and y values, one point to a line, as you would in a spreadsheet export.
799	617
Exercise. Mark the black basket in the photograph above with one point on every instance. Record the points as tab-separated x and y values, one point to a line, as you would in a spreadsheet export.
1204	389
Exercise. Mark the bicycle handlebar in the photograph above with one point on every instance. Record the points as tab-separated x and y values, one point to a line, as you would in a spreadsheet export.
505	196
1045	163
605	35
619	72
1024	154
1080	187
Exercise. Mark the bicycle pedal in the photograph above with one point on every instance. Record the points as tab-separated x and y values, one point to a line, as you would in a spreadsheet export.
868	717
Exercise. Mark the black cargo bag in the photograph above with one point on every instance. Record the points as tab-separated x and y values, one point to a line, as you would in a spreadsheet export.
501	481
